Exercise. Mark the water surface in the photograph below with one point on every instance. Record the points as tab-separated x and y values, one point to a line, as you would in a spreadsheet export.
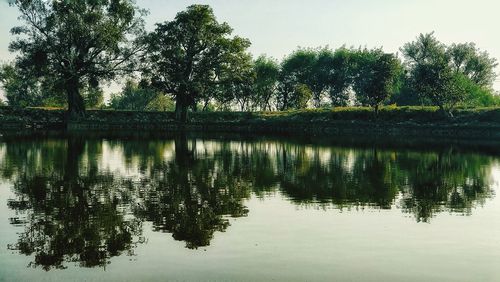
74	207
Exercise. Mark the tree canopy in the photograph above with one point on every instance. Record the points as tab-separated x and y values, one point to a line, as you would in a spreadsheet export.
66	49
193	52
140	97
375	77
71	45
447	75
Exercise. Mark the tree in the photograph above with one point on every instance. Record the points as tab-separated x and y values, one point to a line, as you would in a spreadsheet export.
20	90
237	82
297	68
77	44
448	76
440	84
473	63
301	96
93	97
431	73
340	78
322	72
480	97
376	77
190	53
140	97
266	80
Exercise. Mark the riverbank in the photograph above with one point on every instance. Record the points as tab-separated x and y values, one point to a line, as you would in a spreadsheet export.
481	123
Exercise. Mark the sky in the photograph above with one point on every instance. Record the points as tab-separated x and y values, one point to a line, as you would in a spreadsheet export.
277	27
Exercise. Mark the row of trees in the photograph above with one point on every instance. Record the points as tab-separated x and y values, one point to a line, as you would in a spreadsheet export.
66	49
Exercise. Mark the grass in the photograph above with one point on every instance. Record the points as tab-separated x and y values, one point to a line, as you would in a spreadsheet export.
388	114
357	114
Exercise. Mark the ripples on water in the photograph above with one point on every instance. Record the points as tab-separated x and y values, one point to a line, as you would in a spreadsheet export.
83	201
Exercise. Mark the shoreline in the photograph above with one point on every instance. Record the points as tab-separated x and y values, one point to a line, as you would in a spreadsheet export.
482	124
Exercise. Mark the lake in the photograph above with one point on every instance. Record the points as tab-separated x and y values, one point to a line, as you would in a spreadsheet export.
223	208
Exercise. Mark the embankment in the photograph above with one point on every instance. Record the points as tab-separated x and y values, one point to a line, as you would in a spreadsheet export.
402	121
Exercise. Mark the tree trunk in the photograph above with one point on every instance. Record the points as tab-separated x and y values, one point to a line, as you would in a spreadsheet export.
76	105
181	109
205	106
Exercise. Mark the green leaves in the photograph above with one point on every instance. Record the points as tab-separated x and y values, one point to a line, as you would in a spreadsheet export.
375	77
140	97
448	75
195	55
371	74
77	44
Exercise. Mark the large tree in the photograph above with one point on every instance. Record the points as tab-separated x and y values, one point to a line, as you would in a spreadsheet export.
340	77
448	75
77	44
190	54
376	77
297	69
266	81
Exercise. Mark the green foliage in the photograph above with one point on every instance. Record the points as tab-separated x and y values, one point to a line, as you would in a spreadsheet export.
341	76
301	96
24	90
140	97
191	55
297	68
93	97
475	64
237	82
161	103
448	76
431	74
406	94
76	44
375	76
66	48
350	116
20	91
388	114
478	96
267	72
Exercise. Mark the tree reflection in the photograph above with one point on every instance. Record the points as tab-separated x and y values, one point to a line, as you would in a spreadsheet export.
428	182
71	213
190	195
84	200
444	181
347	179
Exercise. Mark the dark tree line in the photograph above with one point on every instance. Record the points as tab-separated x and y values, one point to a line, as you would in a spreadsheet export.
66	49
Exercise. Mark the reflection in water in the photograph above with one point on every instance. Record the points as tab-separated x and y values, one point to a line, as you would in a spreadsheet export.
189	195
84	200
71	212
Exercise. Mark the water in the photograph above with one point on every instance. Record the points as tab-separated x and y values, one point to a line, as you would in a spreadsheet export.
244	208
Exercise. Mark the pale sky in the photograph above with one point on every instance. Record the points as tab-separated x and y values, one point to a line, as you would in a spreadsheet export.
277	27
